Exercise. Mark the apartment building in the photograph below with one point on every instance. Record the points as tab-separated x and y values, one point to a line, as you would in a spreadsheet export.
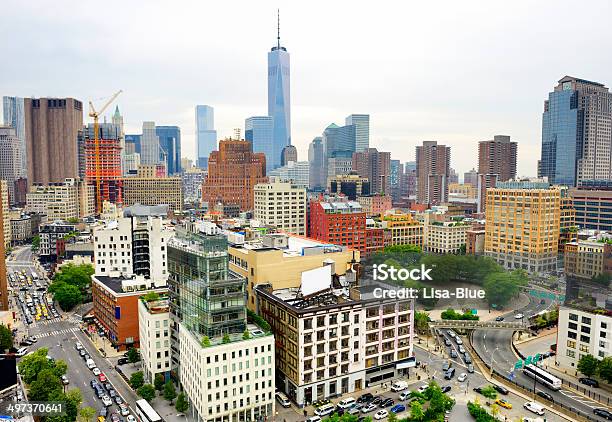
585	259
153	191
338	222
404	229
522	225
281	205
444	237
6	213
375	205
154	336
50	233
281	259
70	199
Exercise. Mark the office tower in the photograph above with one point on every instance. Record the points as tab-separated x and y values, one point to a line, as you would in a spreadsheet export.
52	126
338	222
593	204
395	179
170	146
351	185
316	158
130	163
498	156
4	295
14	116
297	172
206	135
281	205
117	120
258	130
133	143
186	163
107	162
288	154
575	144
153	190
193	178
67	200
339	165
484	182
11	164
376	167
433	169
470	178
233	172
279	99
339	141
208	324
149	144
453	177
362	130
515	208
409	180
375	205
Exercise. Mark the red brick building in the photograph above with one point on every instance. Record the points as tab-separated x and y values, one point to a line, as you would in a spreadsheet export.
376	240
233	172
340	223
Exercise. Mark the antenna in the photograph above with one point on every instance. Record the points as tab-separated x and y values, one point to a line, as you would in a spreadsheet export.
278	27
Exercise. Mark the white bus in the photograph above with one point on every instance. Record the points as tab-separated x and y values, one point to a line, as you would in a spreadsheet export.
543	377
146	413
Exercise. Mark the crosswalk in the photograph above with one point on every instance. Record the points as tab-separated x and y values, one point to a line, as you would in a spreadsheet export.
58	332
70	319
582	399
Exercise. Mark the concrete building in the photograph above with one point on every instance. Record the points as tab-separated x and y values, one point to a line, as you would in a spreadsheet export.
485	182
362	130
432	170
11	162
170	147
376	167
149	144
585	259
62	201
498	156
444	237
233	172
21	228
288	155
593	206
297	172
339	166
515	208
6	215
350	185
192	184
404	229
4	294
281	259
49	234
14	116
259	131
153	191
52	126
338	222
281	205
475	241
130	163
374	205
317	161
471	178
462	191
154	336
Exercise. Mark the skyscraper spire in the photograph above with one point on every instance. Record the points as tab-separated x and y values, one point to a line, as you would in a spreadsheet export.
278	28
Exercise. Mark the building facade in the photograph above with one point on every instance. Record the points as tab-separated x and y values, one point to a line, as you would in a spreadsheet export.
153	191
362	130
14	116
297	172
339	223
498	156
206	135
281	205
404	229
445	237
279	100
374	205
593	206
170	147
376	167
62	201
149	144
11	161
432	171
316	158
350	185
259	131
154	337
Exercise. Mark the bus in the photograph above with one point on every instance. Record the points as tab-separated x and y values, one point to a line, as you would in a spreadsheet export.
543	377
146	413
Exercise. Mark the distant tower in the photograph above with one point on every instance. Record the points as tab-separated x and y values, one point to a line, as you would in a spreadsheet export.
206	135
289	154
279	105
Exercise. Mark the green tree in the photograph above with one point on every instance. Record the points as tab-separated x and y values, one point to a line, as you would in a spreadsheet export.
33	364
35	243
45	383
159	382
151	297
605	369
60	368
246	335
86	414
137	380
489	392
75	275
133	355
392	417
73	401
226	338
147	392
587	365
421	322
6	338
416	411
169	391
205	341
67	295
501	287
182	404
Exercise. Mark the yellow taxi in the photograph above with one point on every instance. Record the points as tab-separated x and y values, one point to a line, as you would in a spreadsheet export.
503	403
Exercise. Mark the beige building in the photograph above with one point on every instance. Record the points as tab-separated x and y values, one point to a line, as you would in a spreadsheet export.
154	335
522	225
462	190
282	205
6	215
62	201
587	258
405	230
444	237
281	259
153	191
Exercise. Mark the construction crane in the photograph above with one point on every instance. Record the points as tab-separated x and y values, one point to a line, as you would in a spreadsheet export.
96	114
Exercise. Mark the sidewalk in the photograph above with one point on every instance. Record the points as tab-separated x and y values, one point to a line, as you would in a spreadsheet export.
600	394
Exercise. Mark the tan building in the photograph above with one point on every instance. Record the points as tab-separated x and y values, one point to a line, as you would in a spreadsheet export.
462	190
445	237
498	156
375	204
522	225
405	230
6	215
62	201
351	185
151	170
587	258
281	205
433	172
281	259
153	191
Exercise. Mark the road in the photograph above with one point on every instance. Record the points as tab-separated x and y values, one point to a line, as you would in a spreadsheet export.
59	336
494	346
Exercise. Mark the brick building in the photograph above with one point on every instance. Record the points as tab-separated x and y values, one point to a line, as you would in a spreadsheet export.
340	223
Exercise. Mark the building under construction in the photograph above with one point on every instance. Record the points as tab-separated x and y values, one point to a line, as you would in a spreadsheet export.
111	184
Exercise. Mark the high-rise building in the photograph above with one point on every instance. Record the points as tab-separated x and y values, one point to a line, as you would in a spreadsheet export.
518	207
279	98
170	147
70	199
149	144
405	229
362	130
471	178
339	166
233	172
375	205
192	184
281	205
288	154
11	163
444	237
297	172
338	222
316	158
206	135
259	131
593	205
154	336
52	127
395	179
4	295
14	116
376	167
6	213
133	144
339	141
117	120
433	170
484	182
498	156
576	135
409	180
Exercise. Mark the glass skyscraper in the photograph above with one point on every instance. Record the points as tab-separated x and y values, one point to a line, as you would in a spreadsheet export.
14	116
206	135
362	130
339	141
259	131
279	106
170	147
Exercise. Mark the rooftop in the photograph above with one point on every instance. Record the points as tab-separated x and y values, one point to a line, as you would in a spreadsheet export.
290	245
122	284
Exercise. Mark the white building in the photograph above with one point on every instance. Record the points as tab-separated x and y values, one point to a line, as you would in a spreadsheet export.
444	237
582	333
297	172
130	163
50	234
154	326
62	201
149	144
282	205
192	184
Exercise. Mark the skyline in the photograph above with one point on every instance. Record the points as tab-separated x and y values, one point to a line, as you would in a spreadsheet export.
466	98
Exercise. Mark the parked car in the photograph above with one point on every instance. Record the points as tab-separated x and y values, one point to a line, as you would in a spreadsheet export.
422	388
124	409
461	349
122	361
398	408
462	377
106	401
118	400
604	413
546	396
447	342
368	408
478	390
458	340
446	388
103	411
377	400
467	358
381	414
102	377
534	407
93	383
453	354
346	403
446	365
96	371
399	386
131	418
470	368
499	319
589	381
501	389
365	398
115	417
387	402
404	395
449	374
519	316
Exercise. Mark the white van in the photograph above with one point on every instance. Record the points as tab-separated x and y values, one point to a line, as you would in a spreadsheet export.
282	399
90	363
346	403
399	386
326	409
534	407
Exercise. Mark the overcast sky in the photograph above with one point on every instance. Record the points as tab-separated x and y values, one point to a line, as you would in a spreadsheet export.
452	71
